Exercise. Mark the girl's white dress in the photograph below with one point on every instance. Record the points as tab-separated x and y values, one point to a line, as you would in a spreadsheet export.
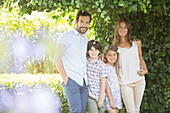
113	83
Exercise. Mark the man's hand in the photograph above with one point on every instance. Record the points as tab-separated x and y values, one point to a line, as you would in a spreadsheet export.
65	80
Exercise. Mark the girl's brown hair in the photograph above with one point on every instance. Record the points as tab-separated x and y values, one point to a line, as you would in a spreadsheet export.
117	37
112	48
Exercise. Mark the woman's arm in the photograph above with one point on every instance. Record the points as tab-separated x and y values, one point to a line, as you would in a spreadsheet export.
143	67
112	103
102	91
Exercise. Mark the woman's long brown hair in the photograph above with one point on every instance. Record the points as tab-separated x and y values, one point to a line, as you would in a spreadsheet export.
117	38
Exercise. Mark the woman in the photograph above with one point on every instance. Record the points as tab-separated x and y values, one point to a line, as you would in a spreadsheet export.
132	67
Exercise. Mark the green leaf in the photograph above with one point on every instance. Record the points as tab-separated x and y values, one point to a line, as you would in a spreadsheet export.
103	14
64	2
134	7
23	10
97	3
146	105
101	1
99	10
107	18
121	3
59	4
87	9
115	1
102	6
10	9
40	2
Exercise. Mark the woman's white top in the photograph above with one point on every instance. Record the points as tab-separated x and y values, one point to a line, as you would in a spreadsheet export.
129	64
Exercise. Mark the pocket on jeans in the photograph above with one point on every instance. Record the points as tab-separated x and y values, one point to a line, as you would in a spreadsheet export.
71	87
63	84
68	81
71	82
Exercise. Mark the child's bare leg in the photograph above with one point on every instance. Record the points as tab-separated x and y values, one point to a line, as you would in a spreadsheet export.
113	111
117	110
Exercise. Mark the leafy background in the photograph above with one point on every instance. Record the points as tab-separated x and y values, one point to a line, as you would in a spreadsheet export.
150	23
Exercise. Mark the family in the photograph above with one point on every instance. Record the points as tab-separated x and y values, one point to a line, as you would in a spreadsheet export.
101	83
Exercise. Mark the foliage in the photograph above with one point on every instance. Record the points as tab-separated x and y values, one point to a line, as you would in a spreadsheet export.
150	23
38	29
33	28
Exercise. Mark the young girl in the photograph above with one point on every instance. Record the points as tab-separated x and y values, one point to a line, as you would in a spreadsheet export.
111	60
96	76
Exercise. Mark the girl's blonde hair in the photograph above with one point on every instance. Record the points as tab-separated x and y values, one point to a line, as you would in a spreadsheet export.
112	48
117	38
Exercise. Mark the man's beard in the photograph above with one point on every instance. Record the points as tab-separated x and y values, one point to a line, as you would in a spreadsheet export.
83	32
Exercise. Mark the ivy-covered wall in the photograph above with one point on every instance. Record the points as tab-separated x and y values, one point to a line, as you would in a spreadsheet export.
150	23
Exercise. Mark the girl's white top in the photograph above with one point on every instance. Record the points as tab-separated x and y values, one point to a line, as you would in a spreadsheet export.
129	64
113	83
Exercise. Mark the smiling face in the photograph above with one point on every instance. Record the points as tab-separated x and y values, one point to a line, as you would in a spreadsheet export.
122	30
111	57
93	53
82	24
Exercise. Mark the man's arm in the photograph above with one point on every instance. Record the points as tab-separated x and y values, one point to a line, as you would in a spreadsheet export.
59	62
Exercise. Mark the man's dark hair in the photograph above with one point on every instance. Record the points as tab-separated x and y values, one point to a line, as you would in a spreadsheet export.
82	13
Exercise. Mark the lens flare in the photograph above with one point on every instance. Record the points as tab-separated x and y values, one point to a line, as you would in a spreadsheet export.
26	99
